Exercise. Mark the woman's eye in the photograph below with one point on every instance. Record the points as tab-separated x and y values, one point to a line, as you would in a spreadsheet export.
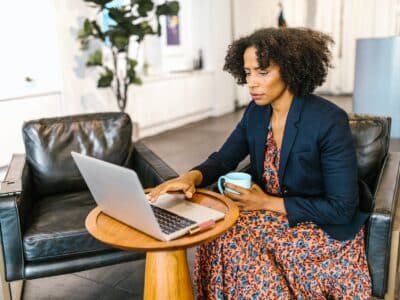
263	73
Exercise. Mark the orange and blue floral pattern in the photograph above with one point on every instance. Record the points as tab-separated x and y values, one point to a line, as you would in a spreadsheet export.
271	165
261	257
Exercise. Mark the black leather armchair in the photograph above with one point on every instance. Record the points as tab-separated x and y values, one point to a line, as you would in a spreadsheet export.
44	200
380	170
379	173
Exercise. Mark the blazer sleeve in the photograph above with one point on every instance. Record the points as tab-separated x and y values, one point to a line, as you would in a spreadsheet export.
339	171
232	152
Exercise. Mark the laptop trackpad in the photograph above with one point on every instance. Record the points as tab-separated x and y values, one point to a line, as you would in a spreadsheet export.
196	212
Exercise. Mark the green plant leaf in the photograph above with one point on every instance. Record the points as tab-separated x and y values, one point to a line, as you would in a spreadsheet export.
131	73
121	42
87	27
117	14
144	7
125	26
173	8
146	28
158	26
169	8
132	63
95	59
119	39
131	18
105	79
86	30
81	34
97	31
137	31
123	18
84	44
137	81
133	78
84	33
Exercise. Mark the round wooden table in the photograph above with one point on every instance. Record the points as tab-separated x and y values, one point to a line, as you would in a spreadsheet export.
166	273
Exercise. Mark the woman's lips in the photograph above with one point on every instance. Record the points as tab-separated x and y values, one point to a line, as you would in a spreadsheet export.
256	96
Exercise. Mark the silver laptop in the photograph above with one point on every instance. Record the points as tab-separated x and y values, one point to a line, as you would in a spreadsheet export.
118	193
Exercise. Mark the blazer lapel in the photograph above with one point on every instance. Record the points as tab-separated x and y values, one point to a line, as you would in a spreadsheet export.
289	134
261	138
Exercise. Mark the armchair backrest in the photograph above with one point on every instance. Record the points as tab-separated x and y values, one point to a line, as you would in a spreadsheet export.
371	135
49	142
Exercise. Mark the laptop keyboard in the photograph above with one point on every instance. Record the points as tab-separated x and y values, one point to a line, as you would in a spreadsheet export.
170	222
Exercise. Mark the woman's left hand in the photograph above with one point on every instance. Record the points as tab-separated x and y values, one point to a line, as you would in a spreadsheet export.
253	198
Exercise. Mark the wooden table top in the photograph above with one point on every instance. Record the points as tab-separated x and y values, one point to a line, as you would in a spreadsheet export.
119	235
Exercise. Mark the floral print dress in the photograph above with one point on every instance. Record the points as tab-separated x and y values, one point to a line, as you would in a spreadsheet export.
261	257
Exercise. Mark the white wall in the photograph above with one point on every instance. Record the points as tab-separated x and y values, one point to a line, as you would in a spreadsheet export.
249	15
210	24
13	113
30	50
360	19
220	36
79	91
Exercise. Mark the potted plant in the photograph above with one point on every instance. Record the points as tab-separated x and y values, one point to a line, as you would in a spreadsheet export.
131	22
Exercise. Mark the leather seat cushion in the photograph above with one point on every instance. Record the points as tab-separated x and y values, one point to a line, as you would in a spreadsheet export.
371	139
49	142
57	228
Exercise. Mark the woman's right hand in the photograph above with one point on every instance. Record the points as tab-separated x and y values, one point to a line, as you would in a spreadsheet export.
186	183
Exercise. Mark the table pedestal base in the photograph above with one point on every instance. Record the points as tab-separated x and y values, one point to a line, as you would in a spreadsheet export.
167	276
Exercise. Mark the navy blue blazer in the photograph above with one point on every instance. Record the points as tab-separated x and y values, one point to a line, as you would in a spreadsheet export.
318	164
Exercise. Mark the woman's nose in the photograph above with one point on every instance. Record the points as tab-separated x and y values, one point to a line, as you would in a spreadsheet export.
252	81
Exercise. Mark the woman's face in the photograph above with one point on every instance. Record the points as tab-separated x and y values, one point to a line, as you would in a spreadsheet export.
265	85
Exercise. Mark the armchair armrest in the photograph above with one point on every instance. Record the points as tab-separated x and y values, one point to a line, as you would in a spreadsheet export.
394	263
151	169
15	200
380	224
12	184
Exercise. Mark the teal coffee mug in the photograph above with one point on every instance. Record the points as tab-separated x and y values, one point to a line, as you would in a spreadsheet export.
237	178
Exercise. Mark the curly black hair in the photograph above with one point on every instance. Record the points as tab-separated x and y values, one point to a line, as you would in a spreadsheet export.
302	54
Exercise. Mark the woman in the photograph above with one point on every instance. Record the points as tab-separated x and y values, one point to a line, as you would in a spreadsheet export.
300	233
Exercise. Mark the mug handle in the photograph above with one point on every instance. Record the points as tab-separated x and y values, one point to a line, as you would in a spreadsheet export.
221	182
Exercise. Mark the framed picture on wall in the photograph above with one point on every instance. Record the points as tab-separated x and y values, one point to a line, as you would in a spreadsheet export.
175	30
172	28
176	39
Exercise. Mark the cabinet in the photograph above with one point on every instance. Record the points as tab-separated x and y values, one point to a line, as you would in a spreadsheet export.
163	102
168	101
